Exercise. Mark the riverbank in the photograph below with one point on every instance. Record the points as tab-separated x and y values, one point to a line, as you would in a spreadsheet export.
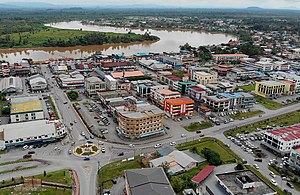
54	37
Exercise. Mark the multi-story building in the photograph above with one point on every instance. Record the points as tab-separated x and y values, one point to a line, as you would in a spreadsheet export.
228	57
111	83
247	101
204	78
71	80
294	159
283	140
196	93
4	69
270	89
171	80
37	82
279	75
31	132
116	66
93	85
222	69
139	120
179	106
217	102
241	73
161	95
26	109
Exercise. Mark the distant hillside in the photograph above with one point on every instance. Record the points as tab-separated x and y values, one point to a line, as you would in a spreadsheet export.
18	5
254	8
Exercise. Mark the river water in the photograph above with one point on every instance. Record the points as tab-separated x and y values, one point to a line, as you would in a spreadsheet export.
170	40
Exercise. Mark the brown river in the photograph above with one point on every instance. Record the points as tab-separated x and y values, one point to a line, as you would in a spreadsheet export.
170	40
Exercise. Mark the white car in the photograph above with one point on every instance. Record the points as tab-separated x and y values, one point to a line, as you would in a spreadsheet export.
172	143
103	150
272	174
274	182
131	145
256	166
82	133
183	135
157	146
25	147
100	143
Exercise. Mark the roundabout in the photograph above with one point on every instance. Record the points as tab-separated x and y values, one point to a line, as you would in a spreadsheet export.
85	150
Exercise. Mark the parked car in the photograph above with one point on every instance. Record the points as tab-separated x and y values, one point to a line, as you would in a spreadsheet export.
92	136
70	151
26	156
25	147
172	143
121	154
198	131
256	166
103	150
289	184
131	145
274	182
258	160
31	152
157	146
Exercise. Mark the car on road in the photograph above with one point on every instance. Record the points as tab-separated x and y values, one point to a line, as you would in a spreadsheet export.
183	135
73	143
75	121
258	160
82	133
25	147
87	158
201	135
157	145
103	150
86	137
100	143
274	182
31	152
172	143
70	152
92	136
65	102
256	166
131	145
26	156
198	131
121	154
290	185
89	141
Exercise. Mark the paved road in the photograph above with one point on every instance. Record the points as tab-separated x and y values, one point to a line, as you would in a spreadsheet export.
87	170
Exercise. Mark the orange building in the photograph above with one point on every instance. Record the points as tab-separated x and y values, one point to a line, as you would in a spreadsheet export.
179	106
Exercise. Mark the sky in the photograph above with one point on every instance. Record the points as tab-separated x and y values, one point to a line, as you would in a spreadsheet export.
181	3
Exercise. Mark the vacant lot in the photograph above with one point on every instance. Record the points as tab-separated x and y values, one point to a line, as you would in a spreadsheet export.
199	125
269	104
246	114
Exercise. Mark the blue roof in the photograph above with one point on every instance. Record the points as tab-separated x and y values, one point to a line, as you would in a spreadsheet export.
140	54
184	51
231	95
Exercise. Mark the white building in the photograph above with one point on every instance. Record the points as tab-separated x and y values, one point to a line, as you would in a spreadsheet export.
204	78
111	83
37	82
11	85
295	53
159	96
228	57
279	75
283	140
93	85
71	80
26	108
29	133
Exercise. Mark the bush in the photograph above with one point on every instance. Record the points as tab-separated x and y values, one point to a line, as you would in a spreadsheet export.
212	157
177	184
73	95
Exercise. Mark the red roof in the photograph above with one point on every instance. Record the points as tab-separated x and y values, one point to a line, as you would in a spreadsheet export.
287	133
196	88
85	66
114	64
173	77
203	174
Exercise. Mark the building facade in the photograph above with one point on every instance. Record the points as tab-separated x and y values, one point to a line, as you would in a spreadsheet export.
160	96
283	140
139	121
228	57
204	78
93	85
179	107
270	89
294	159
26	109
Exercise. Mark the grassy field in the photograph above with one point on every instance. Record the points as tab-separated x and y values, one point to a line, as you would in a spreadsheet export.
16	161
48	36
61	176
248	87
286	120
246	115
226	154
269	104
34	191
198	126
116	169
279	191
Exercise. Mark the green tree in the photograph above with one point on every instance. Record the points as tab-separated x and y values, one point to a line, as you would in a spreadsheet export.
73	95
212	157
239	166
177	184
